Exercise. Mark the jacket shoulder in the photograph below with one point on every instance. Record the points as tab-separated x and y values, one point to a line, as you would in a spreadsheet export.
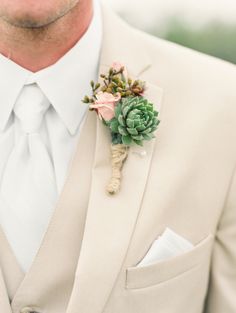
176	57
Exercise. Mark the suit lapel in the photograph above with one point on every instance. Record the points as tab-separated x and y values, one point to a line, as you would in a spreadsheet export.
110	223
111	219
4	300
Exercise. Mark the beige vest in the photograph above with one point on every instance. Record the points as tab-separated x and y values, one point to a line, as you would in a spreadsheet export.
61	242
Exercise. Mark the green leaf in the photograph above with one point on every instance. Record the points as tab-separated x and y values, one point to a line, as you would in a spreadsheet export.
114	125
127	105
132	131
117	110
137	122
116	138
139	137
126	140
133	113
148	136
125	110
147	131
122	130
153	129
150	124
151	115
140	128
138	142
121	120
130	123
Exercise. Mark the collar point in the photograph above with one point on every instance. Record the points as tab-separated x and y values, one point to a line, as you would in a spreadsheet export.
72	129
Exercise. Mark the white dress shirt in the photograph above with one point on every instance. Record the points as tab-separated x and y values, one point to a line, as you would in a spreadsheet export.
64	84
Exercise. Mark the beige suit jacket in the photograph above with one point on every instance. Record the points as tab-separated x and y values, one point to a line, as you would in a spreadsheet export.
186	182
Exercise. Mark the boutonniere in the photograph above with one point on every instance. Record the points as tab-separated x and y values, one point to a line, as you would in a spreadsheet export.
121	105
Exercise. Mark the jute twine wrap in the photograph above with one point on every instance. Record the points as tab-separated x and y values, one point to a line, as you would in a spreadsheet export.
119	154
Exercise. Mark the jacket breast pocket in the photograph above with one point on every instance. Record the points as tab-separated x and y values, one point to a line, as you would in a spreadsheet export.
162	271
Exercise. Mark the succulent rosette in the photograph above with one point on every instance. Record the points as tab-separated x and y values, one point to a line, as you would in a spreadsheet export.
135	121
121	105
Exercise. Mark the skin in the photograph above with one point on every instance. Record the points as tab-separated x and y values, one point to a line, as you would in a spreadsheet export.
35	34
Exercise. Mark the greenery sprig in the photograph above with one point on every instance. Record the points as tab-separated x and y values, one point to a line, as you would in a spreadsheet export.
115	82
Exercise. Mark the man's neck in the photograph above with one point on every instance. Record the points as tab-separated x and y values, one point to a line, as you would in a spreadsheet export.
35	49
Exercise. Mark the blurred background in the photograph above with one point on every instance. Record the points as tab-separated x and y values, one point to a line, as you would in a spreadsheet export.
205	25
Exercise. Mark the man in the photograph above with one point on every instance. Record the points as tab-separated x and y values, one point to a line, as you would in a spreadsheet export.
66	246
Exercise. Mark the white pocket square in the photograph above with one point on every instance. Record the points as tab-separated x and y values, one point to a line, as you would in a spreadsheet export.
168	245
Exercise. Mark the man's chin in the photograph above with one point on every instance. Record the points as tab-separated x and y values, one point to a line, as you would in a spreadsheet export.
30	21
36	18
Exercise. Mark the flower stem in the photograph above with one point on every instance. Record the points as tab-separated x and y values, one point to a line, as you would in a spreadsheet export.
119	153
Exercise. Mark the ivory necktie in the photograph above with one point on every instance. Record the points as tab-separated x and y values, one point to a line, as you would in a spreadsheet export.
28	185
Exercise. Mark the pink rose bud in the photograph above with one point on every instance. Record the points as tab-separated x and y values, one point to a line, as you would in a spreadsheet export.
105	105
117	66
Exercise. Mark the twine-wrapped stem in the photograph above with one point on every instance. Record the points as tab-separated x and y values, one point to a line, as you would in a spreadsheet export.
119	153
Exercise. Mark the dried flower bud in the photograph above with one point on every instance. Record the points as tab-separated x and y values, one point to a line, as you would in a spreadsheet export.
115	79
129	81
86	99
114	85
136	82
137	90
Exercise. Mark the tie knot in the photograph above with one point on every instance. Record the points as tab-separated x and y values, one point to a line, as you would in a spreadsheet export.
30	108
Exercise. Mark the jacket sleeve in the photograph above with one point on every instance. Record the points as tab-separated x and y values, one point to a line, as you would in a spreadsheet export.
221	297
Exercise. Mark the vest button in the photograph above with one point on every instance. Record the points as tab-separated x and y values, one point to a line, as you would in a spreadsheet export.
28	309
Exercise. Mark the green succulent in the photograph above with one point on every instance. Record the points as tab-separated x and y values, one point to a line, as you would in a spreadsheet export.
135	121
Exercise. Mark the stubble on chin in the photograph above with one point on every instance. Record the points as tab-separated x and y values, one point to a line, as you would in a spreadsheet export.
25	27
38	24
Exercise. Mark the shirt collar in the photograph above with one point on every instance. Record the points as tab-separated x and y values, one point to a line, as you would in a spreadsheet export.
64	83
